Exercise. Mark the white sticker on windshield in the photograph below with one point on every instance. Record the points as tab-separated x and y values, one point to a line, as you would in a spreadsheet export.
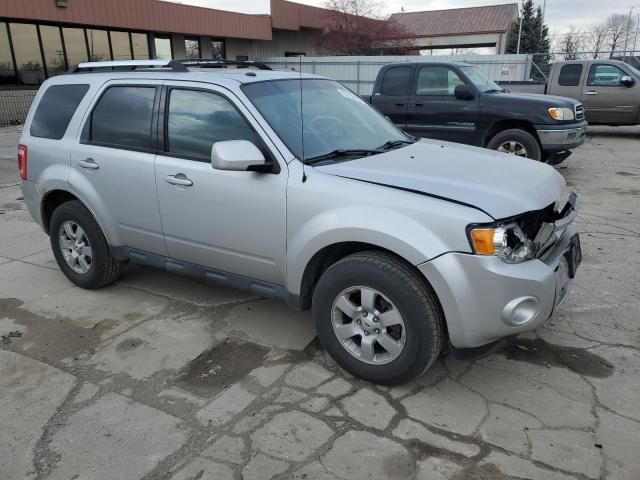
349	94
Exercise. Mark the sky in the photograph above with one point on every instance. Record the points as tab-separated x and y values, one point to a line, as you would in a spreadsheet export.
560	13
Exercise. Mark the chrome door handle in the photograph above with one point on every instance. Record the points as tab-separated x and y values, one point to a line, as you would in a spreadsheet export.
591	92
89	164
178	179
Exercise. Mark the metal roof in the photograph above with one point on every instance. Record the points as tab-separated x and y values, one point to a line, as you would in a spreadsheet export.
459	21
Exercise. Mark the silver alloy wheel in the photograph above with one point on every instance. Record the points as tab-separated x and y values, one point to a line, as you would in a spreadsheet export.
368	325
513	148
75	247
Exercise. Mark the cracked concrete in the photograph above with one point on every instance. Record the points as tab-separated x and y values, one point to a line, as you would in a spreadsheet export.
163	377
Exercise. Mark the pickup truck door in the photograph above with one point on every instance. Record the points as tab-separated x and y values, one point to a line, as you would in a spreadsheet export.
605	99
391	94
435	112
230	221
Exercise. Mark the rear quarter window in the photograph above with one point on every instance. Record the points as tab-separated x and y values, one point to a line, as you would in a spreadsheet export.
396	81
55	110
570	75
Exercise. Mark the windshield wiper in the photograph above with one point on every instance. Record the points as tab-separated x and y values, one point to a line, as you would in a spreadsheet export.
340	154
395	143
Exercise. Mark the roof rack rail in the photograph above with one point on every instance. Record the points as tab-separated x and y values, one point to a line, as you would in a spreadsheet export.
174	65
126	65
222	63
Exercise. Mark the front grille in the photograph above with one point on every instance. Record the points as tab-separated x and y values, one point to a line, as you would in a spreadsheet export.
579	112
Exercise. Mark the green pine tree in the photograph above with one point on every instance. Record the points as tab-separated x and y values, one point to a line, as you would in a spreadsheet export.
533	40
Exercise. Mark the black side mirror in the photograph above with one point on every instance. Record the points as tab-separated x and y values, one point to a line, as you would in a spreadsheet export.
464	92
627	81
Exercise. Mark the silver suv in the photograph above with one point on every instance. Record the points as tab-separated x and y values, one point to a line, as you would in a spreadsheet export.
292	187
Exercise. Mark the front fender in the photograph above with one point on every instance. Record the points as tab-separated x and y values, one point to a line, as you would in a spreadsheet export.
398	233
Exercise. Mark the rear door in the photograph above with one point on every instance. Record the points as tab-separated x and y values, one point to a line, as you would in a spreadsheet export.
605	99
569	80
435	112
392	92
112	165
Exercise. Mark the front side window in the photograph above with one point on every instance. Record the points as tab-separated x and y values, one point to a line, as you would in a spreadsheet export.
56	109
122	118
396	81
437	81
570	75
199	119
329	116
605	76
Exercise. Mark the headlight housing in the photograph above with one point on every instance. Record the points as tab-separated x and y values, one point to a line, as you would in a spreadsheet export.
561	114
507	242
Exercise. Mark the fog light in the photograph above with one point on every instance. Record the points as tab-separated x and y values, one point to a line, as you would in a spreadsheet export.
520	311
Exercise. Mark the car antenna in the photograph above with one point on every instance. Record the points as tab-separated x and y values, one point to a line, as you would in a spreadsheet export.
304	160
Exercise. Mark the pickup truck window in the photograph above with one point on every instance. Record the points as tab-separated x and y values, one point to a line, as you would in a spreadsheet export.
396	81
570	75
480	80
437	81
605	76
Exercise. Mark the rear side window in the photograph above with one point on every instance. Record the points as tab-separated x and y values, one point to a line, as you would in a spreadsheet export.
570	75
123	118
396	81
55	110
199	119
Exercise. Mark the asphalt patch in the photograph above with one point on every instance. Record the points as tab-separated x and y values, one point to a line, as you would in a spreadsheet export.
539	352
223	365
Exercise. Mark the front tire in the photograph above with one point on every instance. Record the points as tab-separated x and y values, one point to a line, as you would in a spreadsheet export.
378	318
516	142
80	248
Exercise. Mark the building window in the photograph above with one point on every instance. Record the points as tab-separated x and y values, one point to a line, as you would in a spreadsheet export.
52	49
163	48
120	45
192	48
98	42
75	45
26	47
140	46
218	49
7	72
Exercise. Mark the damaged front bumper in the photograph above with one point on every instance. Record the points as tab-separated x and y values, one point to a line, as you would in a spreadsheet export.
485	299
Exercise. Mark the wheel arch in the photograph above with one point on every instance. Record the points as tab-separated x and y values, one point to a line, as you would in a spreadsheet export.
509	124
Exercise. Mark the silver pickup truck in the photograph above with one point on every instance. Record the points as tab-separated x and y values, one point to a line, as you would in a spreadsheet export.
608	89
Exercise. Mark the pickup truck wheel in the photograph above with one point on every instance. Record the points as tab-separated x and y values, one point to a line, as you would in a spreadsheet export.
378	318
516	142
80	248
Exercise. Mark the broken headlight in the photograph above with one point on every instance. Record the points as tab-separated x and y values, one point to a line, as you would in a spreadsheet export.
507	242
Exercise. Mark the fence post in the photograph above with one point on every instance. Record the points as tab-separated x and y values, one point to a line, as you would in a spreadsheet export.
358	77
313	67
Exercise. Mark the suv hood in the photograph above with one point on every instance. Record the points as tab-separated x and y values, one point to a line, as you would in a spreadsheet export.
500	185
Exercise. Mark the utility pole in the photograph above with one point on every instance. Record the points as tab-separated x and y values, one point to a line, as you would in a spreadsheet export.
626	40
519	31
544	11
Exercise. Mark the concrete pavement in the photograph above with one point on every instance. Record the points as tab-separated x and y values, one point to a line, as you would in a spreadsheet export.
162	377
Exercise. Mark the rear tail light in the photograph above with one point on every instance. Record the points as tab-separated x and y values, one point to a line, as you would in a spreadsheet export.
22	161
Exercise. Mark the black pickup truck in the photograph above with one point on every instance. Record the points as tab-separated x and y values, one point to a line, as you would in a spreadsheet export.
457	102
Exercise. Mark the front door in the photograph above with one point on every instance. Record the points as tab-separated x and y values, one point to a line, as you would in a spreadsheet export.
435	112
224	220
112	165
606	100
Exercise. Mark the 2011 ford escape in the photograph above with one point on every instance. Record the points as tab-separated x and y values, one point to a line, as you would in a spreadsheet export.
292	187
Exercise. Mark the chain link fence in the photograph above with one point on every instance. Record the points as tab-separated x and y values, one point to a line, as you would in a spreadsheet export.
14	104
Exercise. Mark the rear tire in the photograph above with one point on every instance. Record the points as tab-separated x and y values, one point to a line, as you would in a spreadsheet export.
516	142
80	247
401	298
